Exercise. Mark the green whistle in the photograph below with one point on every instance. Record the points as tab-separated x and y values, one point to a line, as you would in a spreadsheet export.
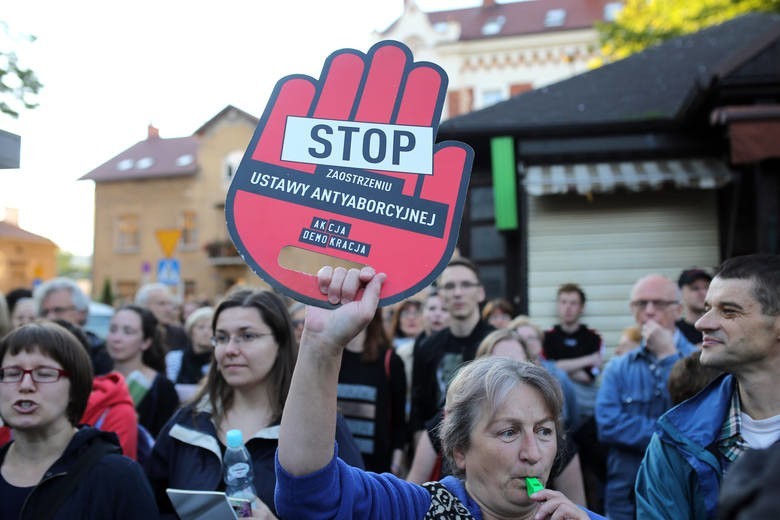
533	485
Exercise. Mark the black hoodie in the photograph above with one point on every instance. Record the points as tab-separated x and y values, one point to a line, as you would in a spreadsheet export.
114	487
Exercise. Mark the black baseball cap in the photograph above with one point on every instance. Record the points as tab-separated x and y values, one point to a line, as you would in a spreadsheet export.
689	276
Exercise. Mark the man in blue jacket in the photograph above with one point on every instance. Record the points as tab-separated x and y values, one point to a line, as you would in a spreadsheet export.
633	392
697	441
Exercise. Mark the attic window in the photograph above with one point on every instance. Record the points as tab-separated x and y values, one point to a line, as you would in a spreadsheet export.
124	164
144	163
184	160
555	18
493	25
611	11
440	27
230	166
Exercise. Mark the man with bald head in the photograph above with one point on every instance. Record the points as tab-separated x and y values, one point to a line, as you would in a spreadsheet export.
633	393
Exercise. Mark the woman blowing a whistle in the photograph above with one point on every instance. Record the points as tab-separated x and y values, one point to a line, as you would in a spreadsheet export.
501	426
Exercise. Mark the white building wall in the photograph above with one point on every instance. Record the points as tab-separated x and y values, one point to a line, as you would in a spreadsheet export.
494	62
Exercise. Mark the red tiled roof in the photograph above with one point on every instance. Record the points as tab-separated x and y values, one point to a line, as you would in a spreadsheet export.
8	230
521	17
154	157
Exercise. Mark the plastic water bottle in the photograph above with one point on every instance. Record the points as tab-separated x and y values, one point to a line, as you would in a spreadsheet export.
239	477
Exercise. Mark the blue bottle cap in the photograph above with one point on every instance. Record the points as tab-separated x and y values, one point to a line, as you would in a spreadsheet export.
234	438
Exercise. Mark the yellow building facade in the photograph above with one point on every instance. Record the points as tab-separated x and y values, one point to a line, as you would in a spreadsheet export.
24	257
171	184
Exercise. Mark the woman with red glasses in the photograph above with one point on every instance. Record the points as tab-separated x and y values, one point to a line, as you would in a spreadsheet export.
53	468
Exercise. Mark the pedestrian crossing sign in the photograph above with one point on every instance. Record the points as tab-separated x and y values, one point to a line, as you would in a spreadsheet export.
168	271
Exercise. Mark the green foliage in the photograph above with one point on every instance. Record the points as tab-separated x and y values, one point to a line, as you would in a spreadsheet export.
17	84
107	295
67	266
643	23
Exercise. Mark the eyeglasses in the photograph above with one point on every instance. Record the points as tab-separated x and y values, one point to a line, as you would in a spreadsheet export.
57	310
658	304
222	340
38	374
451	286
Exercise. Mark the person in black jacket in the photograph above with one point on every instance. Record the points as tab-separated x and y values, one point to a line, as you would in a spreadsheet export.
52	468
246	388
372	397
437	359
749	489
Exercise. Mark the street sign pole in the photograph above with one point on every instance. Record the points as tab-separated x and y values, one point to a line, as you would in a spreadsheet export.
168	267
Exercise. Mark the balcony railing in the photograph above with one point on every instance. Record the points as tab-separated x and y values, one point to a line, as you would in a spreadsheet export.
222	252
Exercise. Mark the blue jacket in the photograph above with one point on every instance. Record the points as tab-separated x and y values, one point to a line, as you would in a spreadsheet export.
341	492
680	475
632	396
114	487
188	455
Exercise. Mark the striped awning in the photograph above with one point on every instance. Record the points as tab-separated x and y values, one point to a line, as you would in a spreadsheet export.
605	177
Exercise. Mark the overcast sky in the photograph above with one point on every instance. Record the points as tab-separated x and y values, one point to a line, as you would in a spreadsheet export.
110	69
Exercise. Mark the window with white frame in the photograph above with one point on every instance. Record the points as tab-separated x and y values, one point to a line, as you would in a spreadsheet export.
493	25
555	18
611	10
189	230
230	166
491	97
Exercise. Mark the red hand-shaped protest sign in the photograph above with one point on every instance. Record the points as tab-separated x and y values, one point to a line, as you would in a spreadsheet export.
346	167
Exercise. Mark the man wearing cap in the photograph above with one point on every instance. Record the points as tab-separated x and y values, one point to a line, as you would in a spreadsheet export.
697	441
693	284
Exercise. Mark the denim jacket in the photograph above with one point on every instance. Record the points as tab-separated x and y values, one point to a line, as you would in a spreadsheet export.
632	396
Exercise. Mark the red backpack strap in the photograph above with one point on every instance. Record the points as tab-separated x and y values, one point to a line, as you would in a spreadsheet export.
388	353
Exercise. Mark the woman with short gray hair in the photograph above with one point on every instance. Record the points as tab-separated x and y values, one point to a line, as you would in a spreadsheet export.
478	392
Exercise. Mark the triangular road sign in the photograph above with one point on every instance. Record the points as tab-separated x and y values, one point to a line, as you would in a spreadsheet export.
168	238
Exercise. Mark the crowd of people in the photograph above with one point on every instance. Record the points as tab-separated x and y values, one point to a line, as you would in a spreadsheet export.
441	406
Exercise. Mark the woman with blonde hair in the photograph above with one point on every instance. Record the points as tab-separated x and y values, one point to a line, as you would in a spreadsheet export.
188	366
503	343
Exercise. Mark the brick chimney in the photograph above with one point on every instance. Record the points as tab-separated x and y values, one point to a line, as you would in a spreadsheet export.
12	216
153	132
488	3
